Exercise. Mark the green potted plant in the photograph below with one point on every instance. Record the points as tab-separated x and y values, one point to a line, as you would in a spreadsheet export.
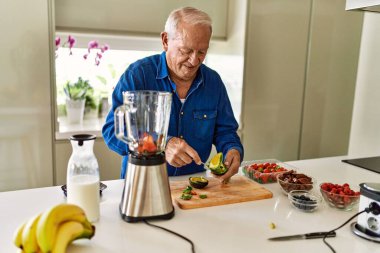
91	104
75	99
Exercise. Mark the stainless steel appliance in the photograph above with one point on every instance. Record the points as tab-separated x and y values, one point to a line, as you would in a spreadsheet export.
142	122
368	225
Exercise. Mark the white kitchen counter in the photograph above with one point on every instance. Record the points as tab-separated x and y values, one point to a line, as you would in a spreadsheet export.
242	227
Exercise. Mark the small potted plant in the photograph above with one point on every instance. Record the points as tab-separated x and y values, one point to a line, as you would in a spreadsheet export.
76	99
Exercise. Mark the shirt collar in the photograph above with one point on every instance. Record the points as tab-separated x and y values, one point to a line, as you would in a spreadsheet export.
162	71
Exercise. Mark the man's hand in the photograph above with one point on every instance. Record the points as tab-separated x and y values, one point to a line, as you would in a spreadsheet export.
232	162
178	153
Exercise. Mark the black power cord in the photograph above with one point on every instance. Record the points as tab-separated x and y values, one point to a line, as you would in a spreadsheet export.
174	233
372	208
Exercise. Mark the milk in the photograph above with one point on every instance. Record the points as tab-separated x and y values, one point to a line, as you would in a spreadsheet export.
83	190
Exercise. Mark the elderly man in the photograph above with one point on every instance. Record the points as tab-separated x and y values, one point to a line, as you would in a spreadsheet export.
201	113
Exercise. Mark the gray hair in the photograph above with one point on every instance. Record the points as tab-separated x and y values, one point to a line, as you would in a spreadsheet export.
188	15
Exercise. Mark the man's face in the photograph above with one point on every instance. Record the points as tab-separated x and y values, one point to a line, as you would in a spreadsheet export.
186	51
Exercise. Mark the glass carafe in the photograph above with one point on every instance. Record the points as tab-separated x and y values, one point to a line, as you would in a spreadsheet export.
83	176
143	120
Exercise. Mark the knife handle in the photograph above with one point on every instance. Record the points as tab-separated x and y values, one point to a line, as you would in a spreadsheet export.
319	235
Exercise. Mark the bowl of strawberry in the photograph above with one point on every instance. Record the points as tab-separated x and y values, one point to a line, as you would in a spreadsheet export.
263	171
340	196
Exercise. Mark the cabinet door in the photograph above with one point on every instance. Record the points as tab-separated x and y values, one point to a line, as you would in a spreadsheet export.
276	54
25	95
132	16
300	76
331	78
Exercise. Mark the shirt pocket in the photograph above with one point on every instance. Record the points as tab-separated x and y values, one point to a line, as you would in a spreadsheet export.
204	123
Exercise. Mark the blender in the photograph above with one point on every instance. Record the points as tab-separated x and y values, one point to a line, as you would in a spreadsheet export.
368	224
142	122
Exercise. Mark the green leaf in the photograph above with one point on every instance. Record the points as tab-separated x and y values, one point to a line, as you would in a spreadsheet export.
77	90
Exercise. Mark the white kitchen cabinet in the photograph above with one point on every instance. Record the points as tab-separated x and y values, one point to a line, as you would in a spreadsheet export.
26	143
132	16
276	53
300	74
363	5
330	79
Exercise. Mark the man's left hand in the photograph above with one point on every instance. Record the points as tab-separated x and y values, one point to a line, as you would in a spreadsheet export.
232	162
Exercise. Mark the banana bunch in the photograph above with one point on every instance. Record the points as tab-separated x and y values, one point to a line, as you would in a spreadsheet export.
53	230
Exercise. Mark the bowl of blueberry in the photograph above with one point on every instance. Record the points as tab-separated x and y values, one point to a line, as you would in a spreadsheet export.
305	201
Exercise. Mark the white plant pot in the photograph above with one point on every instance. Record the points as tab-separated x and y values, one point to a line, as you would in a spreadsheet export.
75	111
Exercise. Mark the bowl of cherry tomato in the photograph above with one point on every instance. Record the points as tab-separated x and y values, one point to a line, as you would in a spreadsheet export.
264	171
339	196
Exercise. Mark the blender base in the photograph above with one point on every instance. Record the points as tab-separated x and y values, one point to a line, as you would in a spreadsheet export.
364	233
132	219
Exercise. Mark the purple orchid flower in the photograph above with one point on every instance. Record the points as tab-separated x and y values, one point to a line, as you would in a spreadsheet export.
71	40
104	48
92	44
57	41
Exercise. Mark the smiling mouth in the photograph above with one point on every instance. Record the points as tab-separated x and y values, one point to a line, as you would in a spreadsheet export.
189	67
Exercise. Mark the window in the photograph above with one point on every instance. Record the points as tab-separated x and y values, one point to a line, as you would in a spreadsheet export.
103	77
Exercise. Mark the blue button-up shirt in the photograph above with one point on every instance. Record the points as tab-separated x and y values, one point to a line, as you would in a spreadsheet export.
205	117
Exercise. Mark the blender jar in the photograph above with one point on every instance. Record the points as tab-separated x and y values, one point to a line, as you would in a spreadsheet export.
143	120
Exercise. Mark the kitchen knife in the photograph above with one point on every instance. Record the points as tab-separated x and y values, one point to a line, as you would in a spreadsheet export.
303	236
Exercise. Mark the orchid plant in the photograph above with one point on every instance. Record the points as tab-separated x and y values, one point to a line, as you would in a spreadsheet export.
81	89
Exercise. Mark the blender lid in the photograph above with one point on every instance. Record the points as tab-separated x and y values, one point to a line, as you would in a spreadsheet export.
370	190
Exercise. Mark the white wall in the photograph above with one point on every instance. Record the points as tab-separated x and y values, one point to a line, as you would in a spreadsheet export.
365	128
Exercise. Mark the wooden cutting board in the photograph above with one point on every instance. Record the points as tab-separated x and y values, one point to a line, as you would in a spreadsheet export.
239	189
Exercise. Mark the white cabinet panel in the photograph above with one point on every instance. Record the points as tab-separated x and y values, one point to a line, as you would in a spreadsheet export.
25	114
276	52
331	77
299	82
132	16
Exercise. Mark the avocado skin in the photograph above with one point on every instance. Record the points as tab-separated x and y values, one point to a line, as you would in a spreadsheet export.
198	184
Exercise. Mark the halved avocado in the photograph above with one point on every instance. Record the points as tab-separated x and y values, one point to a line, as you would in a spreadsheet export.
222	169
216	165
198	182
216	160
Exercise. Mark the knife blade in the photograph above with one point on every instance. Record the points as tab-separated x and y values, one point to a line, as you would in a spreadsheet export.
303	236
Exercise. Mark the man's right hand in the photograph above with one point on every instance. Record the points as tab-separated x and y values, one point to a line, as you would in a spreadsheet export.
178	153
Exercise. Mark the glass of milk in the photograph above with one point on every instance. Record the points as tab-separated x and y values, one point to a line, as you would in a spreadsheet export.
83	176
